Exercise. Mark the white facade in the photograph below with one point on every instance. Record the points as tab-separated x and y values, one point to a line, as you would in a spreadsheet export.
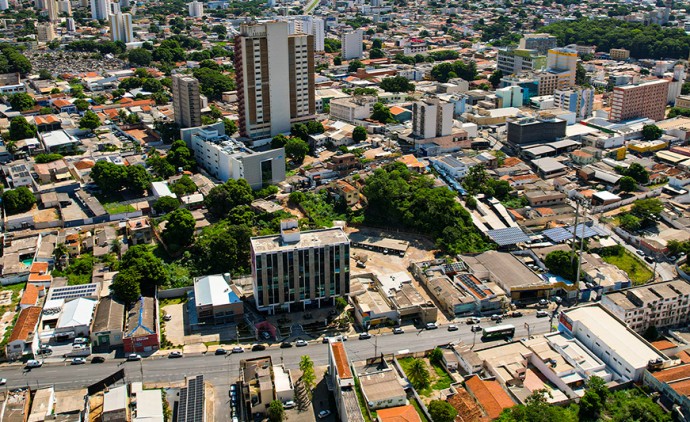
196	9
121	27
52	8
65	6
71	26
579	101
100	9
351	44
432	118
352	109
45	32
4	5
308	25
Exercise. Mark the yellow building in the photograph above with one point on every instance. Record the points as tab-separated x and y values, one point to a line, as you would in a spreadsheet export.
643	147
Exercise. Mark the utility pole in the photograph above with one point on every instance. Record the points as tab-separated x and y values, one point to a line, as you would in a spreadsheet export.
577	216
579	259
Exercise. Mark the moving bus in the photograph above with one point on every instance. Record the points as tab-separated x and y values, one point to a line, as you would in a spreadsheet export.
499	331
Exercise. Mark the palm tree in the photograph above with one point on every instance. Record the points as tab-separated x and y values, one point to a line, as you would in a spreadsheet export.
418	374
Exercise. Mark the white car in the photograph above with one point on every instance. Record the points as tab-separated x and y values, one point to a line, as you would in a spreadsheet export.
78	361
33	363
301	343
133	357
289	404
3	381
324	414
79	340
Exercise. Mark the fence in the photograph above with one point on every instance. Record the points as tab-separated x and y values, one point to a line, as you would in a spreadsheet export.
178	292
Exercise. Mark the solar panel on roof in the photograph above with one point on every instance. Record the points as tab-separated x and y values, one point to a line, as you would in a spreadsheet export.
582	231
558	234
508	236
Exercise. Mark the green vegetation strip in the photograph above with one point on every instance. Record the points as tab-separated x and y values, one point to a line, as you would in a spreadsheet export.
636	270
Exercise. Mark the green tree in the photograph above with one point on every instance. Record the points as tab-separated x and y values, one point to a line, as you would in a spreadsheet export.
45	74
594	400
47	158
418	374
340	304
537	409
396	84
21	101
354	65
651	132
436	356
442	411
230	126
18	200
166	204
21	129
376	53
475	179
308	378
179	231
337	61
558	262
152	85
376	43
629	222
276	411
127	285
221	248
180	156
183	186
359	134
296	149
647	209
314	127
581	74
279	141
149	267
109	177
637	172
213	83
139	57
89	121
138	179
382	114
300	130
627	184
495	78
221	199
81	104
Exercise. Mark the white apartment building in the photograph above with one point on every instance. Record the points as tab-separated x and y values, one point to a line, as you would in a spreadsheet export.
652	305
621	349
518	61
265	54
351	44
226	158
414	48
4	5
65	6
45	32
352	109
121	27
432	118
308	25
196	9
100	9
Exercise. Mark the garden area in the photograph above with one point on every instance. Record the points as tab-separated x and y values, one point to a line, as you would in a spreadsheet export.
638	272
426	374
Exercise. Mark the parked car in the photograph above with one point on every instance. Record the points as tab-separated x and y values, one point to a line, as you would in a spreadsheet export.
542	314
431	326
364	336
3	381
258	347
167	317
475	328
33	363
289	404
175	354
285	345
495	317
133	357
78	347
543	302
78	361
220	351
398	330
237	349
516	314
80	340
97	359
649	259
301	343
452	327
266	335
639	252
473	320
324	414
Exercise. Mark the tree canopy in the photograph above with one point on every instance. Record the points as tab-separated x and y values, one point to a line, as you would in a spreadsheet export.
442	411
296	149
651	132
179	230
396	84
458	69
21	129
18	200
223	198
382	114
558	262
90	120
21	101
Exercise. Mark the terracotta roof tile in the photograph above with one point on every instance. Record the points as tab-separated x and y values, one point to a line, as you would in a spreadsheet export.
490	396
399	414
26	323
342	365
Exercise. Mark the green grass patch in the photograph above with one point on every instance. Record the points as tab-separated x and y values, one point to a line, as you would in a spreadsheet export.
638	272
172	301
421	414
439	378
117	208
443	381
211	343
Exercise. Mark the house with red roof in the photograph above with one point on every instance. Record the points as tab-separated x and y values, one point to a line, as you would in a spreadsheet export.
24	337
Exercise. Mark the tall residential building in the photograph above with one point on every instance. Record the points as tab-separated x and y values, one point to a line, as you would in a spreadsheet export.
580	101
351	44
642	100
308	25
121	27
45	32
516	61
275	79
4	5
675	86
114	8
65	6
539	42
186	101
300	268
100	9
71	26
196	9
562	61
652	305
52	8
432	118
509	96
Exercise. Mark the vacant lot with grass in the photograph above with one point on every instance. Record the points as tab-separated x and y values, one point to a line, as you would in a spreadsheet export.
638	272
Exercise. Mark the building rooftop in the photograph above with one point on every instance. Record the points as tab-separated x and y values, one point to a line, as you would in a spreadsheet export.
115	399
503	268
490	395
76	312
141	319
110	316
341	361
149	406
307	239
214	290
405	413
381	386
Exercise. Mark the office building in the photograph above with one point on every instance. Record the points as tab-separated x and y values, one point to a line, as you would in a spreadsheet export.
579	100
226	158
4	5
538	42
432	118
196	9
215	301
295	270
351	44
510	96
516	61
121	27
352	109
652	305
45	32
646	99
186	101
562	61
275	79
529	130
624	352
100	9
53	12
619	54
65	6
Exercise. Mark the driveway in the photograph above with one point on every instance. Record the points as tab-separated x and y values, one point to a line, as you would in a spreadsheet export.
174	329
